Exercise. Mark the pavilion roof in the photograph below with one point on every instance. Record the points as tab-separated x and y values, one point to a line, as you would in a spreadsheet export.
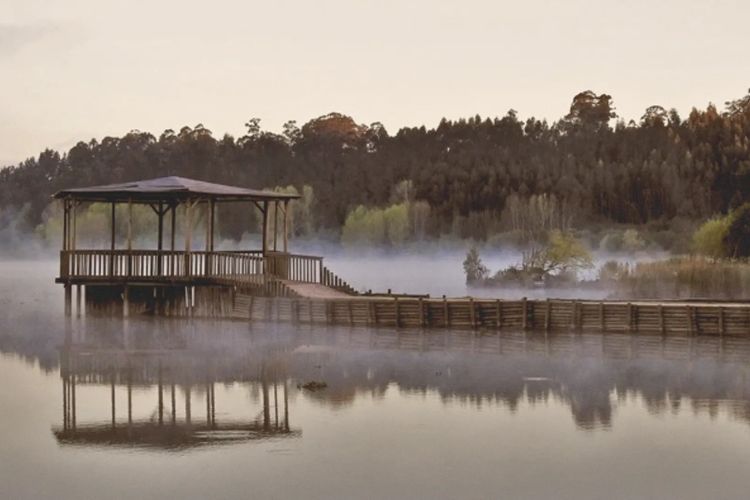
171	188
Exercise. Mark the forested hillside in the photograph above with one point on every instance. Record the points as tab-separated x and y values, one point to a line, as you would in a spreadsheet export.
471	177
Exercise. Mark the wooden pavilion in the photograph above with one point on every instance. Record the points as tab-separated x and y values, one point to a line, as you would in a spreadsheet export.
165	279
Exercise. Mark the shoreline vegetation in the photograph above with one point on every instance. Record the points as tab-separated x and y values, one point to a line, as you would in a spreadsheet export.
717	268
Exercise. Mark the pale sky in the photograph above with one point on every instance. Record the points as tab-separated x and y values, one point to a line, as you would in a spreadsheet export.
76	69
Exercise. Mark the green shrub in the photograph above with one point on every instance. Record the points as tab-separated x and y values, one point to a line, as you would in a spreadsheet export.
709	238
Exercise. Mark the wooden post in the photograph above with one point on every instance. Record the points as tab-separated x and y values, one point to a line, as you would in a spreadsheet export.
446	318
689	319
286	226
173	228
421	312
275	225
130	224
661	319
630	317
264	210
472	313
212	221
74	229
547	312
160	242
130	236
397	312
524	314
498	314
188	234
66	209
721	321
112	241
68	299
209	236
125	302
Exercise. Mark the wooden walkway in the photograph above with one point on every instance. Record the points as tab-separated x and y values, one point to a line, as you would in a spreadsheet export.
665	318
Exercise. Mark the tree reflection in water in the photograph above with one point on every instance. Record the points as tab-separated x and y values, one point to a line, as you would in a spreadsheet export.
184	361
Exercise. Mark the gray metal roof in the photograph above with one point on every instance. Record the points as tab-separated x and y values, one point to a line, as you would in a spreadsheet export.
167	189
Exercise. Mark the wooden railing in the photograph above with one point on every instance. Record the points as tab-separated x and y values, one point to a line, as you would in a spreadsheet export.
303	268
331	280
154	264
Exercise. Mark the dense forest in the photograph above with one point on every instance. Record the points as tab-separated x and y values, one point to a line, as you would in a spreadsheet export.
469	178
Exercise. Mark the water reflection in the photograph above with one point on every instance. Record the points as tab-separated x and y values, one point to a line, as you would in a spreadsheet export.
182	363
183	368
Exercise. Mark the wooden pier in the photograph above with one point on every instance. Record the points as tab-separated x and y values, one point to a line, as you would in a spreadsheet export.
664	318
271	283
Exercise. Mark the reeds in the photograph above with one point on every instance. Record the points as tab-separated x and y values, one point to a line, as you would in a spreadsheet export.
688	277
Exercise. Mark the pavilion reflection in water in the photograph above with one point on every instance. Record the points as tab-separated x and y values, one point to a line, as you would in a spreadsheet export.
592	374
183	375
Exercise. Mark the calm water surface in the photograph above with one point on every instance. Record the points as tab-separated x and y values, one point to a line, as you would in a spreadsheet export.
403	414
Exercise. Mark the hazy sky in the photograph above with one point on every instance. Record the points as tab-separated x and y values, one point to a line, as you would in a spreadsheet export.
76	69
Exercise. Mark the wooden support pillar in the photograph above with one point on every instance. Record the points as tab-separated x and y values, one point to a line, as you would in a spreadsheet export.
130	396
112	397
266	402
524	314
264	211
286	226
630	317
472	313
422	319
498	314
125	302
212	221
74	228
66	205
130	225
286	406
161	395
188	407
188	235
173	228
174	403
78	301
130	237
112	228
275	225
661	319
68	299
446	313
397	312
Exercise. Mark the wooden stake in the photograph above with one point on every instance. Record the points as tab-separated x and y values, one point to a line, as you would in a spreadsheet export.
498	314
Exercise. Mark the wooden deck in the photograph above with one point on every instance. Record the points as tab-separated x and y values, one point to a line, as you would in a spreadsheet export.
299	288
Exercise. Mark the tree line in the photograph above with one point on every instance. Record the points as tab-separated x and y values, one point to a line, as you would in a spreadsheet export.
470	178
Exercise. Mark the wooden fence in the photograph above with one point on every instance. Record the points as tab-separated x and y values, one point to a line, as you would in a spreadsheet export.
542	315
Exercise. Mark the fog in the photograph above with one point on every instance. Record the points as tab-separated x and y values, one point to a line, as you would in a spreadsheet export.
514	414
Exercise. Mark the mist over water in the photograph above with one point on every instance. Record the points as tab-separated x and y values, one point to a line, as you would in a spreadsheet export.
404	414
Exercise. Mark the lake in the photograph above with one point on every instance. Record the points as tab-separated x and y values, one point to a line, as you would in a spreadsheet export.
149	408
